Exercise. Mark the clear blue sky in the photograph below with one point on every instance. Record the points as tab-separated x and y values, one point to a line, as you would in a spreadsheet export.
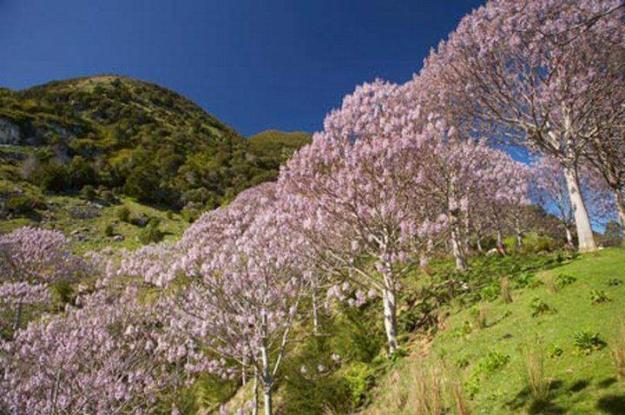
255	64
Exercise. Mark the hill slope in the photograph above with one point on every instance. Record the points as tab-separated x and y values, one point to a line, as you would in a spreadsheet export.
132	136
548	329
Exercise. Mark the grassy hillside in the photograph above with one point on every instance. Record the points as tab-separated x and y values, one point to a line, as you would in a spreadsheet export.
272	148
561	327
130	136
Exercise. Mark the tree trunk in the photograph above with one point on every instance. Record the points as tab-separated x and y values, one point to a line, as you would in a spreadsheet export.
456	248
569	238
479	244
18	317
620	205
585	238
315	308
267	377
255	407
519	234
501	248
390	319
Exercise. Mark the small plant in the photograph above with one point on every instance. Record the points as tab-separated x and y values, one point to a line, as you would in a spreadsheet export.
524	279
109	230
492	362
598	297
555	351
539	307
562	280
534	363
618	354
490	293
123	214
614	282
506	290
586	342
462	363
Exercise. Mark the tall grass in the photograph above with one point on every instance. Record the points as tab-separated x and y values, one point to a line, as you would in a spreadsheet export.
506	290
534	367
423	390
618	354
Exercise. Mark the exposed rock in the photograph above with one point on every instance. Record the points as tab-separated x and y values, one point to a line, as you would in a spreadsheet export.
9	132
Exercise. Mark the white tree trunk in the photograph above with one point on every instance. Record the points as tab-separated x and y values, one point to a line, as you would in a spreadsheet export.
315	308
18	317
479	244
266	376
255	407
519	233
500	246
586	240
569	237
390	320
456	248
620	205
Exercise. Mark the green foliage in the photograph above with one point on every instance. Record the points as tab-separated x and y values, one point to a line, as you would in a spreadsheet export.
117	132
586	342
123	214
539	307
598	296
151	234
109	230
562	280
88	192
23	204
614	282
485	367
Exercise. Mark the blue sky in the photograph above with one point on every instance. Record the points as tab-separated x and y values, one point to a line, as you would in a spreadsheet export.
255	64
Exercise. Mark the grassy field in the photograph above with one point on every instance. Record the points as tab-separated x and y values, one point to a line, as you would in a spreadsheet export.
559	330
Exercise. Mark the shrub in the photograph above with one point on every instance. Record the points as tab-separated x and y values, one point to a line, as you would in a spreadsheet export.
23	204
614	282
562	280
555	351
359	378
598	297
538	307
52	177
150	234
524	279
492	362
586	342
506	290
490	293
123	214
88	192
109	230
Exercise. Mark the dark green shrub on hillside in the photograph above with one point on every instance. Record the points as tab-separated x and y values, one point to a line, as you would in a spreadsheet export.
51	177
151	234
123	214
23	204
109	230
88	192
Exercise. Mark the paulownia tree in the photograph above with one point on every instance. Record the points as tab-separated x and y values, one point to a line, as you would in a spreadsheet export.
30	259
532	72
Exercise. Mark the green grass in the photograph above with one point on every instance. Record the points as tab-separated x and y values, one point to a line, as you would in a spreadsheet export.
579	383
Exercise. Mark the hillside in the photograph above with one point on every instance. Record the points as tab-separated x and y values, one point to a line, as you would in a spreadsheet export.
130	136
272	147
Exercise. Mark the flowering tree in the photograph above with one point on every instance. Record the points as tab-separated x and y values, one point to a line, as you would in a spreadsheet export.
101	358
532	72
359	210
241	303
31	258
550	191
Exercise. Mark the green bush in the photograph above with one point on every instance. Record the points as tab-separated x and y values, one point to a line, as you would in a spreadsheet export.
150	234
539	307
123	214
23	204
109	230
51	177
586	342
598	297
88	192
359	378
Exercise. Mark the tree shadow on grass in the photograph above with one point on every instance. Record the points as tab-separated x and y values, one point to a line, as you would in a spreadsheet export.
607	382
535	406
612	404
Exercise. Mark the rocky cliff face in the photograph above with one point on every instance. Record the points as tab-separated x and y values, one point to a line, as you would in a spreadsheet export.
9	133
